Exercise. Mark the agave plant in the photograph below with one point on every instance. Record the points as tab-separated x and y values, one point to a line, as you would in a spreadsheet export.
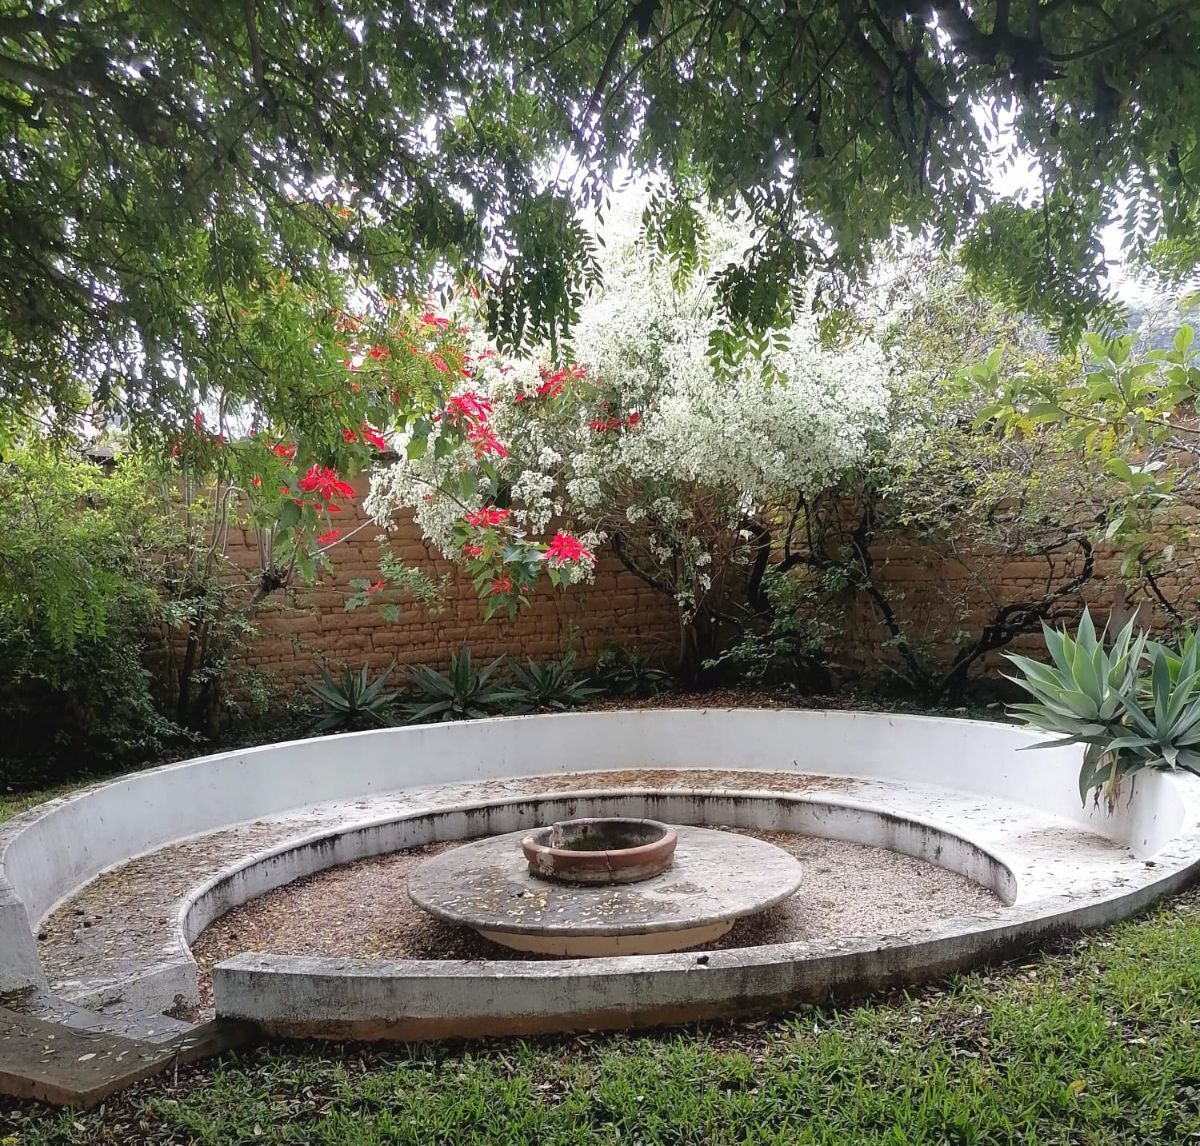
1175	657
353	701
624	672
551	686
1164	719
463	693
1103	698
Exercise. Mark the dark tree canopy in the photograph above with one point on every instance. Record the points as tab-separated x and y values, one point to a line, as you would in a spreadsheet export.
170	167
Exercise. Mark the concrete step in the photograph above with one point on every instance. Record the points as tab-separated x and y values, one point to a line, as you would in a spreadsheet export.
126	1022
80	1067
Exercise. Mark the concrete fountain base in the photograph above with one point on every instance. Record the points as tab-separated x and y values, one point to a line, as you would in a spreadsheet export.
717	878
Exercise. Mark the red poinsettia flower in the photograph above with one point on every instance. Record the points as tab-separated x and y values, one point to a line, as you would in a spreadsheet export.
257	481
350	435
285	450
376	588
198	420
564	548
633	419
473	550
552	384
488	516
328	537
500	585
435	321
324	480
469	407
484	439
378	353
373	437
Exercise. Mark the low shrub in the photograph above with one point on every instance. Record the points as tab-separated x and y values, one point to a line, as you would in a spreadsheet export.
70	711
77	558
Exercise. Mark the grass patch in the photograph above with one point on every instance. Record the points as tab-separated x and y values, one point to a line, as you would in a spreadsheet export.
1096	1043
14	803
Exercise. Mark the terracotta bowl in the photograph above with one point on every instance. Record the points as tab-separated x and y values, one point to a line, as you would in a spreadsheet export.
603	850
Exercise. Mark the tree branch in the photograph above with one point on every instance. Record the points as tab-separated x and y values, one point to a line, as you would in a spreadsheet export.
269	105
621	548
1012	620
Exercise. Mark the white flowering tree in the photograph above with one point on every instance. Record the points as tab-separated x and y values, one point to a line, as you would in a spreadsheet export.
638	441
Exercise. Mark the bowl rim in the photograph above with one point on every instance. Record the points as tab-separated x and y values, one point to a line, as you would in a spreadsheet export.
665	843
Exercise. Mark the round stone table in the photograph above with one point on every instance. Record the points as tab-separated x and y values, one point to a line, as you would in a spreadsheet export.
717	878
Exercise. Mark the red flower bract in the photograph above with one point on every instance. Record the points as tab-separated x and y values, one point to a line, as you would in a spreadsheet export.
328	537
373	437
324	480
350	435
488	516
473	550
563	548
469	407
484	439
500	585
553	384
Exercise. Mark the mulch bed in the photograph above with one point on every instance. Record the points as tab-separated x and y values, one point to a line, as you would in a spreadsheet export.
362	910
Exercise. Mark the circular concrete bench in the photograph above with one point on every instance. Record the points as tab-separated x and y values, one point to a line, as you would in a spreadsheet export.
249	820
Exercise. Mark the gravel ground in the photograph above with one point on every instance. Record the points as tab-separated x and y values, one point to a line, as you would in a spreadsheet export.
362	911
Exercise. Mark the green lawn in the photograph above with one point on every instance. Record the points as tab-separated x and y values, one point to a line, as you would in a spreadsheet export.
14	803
1095	1042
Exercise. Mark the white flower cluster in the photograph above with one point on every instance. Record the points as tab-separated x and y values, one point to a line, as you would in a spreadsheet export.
418	485
654	426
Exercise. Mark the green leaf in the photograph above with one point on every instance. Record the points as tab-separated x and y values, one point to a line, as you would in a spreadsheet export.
289	515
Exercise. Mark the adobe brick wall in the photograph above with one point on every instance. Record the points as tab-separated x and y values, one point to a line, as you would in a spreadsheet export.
938	600
941	600
309	628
